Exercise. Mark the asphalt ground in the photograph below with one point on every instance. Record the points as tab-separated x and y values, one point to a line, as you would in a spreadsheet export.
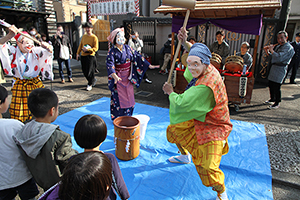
282	126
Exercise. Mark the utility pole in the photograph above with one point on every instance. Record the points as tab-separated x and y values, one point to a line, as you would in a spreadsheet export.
283	18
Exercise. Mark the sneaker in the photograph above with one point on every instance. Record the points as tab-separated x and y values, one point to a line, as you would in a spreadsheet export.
94	82
274	106
182	159
71	80
63	81
89	88
163	72
222	196
148	81
269	102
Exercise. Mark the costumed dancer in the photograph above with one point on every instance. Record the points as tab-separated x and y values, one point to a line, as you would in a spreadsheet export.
199	118
125	67
24	62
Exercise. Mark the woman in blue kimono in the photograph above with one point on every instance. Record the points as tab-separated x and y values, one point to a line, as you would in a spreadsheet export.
125	67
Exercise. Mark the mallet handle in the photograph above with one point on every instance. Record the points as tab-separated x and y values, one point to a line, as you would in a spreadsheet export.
178	46
7	25
31	38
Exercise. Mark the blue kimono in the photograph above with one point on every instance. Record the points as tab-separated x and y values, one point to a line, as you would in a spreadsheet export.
130	66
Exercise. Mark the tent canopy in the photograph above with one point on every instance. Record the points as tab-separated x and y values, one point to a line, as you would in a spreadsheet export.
234	15
225	9
234	24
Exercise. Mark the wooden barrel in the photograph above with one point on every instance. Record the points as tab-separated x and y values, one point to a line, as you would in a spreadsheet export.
183	59
181	82
127	137
216	60
234	64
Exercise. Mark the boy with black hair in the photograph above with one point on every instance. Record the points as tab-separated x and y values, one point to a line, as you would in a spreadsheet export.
45	148
90	132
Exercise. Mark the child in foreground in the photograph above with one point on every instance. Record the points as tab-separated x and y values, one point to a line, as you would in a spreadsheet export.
14	174
89	133
87	176
45	148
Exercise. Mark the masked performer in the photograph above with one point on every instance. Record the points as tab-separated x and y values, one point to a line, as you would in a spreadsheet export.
24	62
125	67
199	118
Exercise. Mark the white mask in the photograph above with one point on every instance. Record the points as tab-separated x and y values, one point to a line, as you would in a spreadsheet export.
170	39
32	32
120	38
26	45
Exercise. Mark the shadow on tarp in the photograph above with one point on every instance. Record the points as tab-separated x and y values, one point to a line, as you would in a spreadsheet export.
152	176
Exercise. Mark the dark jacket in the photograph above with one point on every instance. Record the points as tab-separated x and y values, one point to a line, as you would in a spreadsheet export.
57	41
167	46
118	185
296	57
223	49
46	150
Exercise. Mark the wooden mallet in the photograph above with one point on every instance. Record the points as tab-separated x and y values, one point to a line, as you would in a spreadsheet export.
190	5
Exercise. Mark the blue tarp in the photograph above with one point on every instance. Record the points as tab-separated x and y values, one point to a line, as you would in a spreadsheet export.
151	176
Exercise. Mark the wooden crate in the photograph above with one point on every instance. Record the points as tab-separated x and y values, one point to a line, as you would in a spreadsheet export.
232	88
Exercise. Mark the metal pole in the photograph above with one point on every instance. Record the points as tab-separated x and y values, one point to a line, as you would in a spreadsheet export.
155	22
206	29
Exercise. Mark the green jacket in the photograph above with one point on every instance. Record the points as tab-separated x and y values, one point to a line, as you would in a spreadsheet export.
46	150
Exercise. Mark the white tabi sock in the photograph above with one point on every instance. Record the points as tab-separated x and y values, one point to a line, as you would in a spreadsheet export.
223	196
183	159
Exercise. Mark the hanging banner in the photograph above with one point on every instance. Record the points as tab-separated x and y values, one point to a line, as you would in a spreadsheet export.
114	7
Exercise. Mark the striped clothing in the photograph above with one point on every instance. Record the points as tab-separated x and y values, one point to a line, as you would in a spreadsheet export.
20	92
206	157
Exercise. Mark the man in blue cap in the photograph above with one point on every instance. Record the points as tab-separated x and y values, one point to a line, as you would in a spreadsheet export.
199	118
294	64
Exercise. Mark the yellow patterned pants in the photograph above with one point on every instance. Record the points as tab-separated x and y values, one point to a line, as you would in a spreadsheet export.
20	92
206	157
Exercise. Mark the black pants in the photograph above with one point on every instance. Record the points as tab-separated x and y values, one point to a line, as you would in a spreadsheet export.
26	191
275	92
88	64
145	76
